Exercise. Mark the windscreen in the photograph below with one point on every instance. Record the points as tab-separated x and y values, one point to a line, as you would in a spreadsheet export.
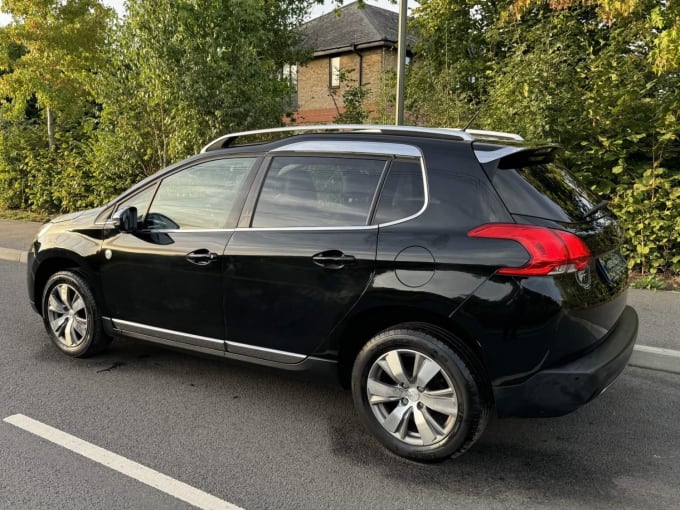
546	191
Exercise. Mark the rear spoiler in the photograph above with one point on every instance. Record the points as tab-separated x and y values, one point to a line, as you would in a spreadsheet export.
515	156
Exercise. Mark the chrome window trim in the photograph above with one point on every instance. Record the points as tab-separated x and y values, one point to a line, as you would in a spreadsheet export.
412	154
298	229
426	202
353	147
187	231
426	192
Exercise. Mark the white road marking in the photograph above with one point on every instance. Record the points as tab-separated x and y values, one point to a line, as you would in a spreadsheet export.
148	476
656	358
657	350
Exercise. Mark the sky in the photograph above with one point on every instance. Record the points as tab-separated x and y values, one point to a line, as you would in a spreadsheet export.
316	11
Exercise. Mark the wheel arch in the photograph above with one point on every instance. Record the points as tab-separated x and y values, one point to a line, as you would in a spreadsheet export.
52	263
361	327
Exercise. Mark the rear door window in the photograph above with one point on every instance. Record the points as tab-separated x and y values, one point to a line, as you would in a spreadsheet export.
315	191
546	191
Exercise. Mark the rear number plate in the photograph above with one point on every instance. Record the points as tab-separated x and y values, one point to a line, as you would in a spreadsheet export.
613	267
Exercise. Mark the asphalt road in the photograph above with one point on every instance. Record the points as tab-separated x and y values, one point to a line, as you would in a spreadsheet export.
659	313
266	440
18	235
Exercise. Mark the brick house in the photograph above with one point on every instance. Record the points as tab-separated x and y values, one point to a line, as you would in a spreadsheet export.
360	39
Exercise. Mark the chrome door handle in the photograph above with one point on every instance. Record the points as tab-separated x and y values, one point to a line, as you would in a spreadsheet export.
332	259
201	257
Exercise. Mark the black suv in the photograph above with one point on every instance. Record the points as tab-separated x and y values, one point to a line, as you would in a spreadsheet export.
441	274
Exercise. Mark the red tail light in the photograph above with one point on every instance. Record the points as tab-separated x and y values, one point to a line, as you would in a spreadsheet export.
550	251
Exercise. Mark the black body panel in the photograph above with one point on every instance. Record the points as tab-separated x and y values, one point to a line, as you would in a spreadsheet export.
562	389
278	297
167	290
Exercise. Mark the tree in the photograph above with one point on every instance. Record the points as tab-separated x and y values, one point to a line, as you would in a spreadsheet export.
354	100
662	17
60	44
188	71
449	79
569	72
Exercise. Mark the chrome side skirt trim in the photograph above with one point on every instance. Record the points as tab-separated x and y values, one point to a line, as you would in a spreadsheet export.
203	344
131	328
171	343
262	353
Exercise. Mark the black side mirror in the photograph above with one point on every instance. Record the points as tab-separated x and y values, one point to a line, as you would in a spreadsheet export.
125	219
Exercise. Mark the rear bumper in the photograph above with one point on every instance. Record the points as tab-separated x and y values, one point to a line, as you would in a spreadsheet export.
560	390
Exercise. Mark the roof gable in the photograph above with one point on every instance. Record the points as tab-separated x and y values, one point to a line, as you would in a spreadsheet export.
354	27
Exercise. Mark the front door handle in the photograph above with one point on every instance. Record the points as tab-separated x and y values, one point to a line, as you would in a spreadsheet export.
332	259
201	257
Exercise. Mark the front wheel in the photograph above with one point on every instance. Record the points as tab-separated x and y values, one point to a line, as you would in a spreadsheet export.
71	316
423	398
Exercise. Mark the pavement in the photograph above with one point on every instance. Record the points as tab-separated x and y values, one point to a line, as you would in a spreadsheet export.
660	309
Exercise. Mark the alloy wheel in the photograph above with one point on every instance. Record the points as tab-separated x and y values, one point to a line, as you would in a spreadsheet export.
67	315
412	397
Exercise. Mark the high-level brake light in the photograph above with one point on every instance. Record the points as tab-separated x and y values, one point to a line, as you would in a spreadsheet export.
551	251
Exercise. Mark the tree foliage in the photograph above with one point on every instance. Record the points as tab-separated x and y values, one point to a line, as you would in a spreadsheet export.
130	97
354	98
587	75
662	17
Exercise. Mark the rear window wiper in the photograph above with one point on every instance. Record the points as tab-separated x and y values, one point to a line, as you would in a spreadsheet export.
596	207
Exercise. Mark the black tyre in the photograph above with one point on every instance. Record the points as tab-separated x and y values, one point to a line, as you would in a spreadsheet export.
71	315
424	398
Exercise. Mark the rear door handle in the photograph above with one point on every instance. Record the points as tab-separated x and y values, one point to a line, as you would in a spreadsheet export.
201	257
332	259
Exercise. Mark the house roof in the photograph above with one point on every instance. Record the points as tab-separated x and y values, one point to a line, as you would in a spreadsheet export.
352	28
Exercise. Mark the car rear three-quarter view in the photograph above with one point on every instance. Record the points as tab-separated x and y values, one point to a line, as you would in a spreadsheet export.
443	275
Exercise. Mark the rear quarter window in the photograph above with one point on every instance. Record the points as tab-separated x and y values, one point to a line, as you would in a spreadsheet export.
403	194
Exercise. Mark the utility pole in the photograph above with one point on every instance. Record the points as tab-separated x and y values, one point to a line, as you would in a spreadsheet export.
50	127
401	62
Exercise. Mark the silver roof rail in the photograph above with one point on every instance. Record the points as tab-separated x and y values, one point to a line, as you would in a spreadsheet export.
459	134
495	135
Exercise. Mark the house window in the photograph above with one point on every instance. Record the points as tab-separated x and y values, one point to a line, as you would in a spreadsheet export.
334	72
290	75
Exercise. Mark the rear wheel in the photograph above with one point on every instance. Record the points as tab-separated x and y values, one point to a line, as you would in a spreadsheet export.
71	316
422	398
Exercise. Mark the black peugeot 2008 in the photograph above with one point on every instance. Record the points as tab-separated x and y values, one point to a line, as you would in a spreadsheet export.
441	274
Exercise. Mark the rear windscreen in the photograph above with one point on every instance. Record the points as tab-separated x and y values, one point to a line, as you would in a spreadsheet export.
545	191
